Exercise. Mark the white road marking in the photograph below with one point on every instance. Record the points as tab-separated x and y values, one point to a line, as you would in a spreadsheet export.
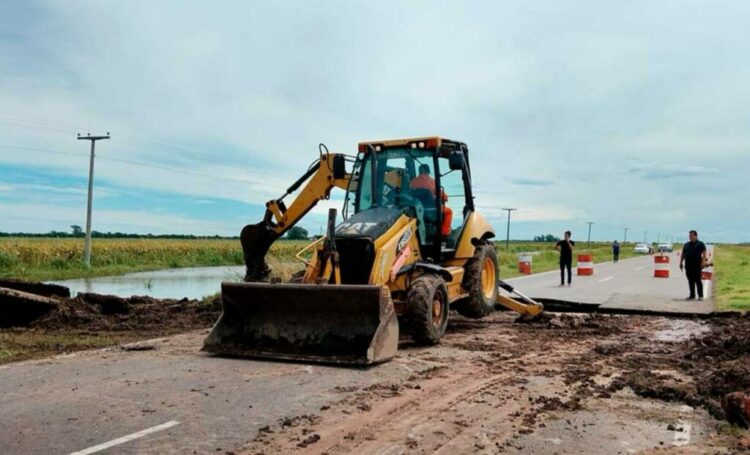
682	438
605	279
640	268
124	439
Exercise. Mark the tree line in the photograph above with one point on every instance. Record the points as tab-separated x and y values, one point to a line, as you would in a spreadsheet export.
295	233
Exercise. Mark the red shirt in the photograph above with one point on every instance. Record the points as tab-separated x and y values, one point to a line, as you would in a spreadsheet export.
425	182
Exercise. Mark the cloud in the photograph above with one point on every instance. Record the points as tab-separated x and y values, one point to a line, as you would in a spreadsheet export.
670	171
572	120
495	212
37	218
531	182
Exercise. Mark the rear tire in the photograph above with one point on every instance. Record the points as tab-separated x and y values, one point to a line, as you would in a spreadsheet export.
426	315
480	279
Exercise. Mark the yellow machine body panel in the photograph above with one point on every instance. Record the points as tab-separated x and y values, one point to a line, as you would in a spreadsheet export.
475	228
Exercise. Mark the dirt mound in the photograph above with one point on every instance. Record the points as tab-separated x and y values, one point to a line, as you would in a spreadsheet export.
580	324
717	365
34	287
96	312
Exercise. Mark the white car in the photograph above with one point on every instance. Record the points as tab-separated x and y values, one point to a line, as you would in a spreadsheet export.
642	248
665	247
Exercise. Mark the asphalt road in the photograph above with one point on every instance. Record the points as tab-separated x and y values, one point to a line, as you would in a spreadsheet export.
627	284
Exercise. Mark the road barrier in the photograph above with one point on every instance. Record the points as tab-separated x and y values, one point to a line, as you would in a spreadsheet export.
708	272
524	264
585	264
661	266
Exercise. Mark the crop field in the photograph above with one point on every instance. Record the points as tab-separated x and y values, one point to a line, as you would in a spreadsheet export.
61	258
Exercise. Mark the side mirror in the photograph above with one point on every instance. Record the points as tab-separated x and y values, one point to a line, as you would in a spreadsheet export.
339	167
456	161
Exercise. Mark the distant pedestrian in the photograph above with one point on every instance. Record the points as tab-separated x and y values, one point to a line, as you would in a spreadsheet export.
565	247
692	260
615	251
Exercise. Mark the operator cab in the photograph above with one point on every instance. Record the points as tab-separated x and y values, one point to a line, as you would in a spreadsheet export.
426	178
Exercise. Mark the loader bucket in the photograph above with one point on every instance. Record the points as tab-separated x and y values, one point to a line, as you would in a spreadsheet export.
350	324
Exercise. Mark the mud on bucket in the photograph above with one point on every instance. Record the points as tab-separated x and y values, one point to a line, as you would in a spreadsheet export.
351	324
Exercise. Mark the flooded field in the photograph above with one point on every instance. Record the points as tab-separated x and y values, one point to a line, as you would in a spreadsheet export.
189	282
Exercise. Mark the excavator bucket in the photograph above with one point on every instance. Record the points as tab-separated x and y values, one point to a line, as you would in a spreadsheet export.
348	324
528	308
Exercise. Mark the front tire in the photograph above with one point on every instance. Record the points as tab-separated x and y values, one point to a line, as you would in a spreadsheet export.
427	309
480	279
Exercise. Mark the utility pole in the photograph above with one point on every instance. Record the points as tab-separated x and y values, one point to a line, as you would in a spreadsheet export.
87	241
507	233
645	233
589	241
658	237
625	239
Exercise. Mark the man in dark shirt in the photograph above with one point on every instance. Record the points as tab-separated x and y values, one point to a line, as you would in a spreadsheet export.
615	251
565	247
692	260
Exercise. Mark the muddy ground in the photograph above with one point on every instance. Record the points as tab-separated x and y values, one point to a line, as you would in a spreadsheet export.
567	384
64	324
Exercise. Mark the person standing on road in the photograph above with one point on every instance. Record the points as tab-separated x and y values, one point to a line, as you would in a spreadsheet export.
565	247
615	251
692	259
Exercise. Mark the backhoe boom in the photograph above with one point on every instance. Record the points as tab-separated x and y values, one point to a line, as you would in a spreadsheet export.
326	173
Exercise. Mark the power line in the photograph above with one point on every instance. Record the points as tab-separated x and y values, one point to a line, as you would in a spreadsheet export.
133	163
182	171
122	136
32	149
39	125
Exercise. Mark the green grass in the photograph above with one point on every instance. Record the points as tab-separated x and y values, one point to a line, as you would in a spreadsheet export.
732	277
545	257
61	258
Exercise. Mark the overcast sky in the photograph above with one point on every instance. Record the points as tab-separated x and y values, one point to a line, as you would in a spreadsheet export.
628	114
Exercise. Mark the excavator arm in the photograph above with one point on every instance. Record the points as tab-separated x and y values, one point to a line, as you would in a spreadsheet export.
326	173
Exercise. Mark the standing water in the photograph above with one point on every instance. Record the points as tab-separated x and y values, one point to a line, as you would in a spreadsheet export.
190	282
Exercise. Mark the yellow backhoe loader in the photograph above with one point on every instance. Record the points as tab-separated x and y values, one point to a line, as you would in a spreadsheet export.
399	260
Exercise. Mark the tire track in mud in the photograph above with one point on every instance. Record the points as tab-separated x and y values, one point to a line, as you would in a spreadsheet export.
489	386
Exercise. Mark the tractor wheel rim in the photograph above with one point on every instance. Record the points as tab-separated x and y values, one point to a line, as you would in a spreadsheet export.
437	311
488	278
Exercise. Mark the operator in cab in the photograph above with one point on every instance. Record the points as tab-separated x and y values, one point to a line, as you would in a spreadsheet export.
425	181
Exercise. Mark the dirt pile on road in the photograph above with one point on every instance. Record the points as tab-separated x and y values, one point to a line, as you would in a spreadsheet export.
709	369
57	311
35	287
96	312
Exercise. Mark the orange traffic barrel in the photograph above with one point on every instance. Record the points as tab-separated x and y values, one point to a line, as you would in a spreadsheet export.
585	264
661	266
524	264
